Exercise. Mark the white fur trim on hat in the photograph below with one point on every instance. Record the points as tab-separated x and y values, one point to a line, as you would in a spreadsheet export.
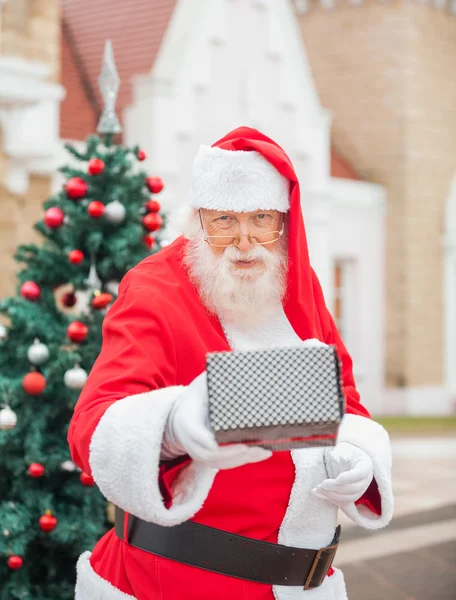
240	181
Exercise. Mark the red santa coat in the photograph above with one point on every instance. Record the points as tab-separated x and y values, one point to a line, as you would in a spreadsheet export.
155	340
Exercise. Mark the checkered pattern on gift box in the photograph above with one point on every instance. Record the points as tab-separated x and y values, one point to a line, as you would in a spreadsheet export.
275	395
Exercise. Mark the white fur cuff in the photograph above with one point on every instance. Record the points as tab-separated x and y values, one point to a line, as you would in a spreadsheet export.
374	440
240	181
125	457
90	586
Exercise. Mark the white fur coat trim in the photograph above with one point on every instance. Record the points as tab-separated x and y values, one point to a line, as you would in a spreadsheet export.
90	586
125	456
374	440
240	181
333	588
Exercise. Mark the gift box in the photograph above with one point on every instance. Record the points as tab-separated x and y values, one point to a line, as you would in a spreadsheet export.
277	398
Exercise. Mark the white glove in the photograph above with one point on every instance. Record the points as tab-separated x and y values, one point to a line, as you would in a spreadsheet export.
353	471
187	432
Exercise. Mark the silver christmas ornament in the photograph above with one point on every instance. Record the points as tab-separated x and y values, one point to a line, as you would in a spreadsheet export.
69	466
114	212
8	418
75	378
109	85
38	353
3	332
6	532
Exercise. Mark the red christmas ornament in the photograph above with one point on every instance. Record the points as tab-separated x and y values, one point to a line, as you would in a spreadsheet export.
141	155
149	240
152	221
15	563
96	166
34	383
36	470
69	299
53	217
48	522
76	188
153	206
155	184
86	479
76	257
101	300
96	209
30	291
77	331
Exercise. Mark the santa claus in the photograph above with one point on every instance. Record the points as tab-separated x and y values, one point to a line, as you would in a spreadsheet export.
195	521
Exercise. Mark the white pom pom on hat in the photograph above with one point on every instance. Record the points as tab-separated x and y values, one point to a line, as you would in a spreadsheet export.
239	181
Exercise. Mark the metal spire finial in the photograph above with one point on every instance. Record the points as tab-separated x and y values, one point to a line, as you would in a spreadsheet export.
109	85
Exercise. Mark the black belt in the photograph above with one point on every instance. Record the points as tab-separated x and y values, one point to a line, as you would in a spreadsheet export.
229	554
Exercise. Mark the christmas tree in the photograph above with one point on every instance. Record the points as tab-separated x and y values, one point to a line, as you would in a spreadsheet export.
95	229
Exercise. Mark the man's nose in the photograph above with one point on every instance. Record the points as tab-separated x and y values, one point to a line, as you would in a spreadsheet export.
244	244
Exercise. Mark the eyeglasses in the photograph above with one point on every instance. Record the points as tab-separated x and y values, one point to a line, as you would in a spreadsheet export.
260	239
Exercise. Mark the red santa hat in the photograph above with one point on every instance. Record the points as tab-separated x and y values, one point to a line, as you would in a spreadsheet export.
240	181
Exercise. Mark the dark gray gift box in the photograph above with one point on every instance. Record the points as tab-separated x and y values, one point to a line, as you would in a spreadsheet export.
278	398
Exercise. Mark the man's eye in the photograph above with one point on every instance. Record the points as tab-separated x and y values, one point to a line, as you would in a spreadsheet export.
263	216
224	218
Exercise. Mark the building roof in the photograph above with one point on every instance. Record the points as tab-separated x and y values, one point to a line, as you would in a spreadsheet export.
136	31
78	116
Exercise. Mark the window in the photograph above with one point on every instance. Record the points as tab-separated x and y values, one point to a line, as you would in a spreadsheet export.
344	309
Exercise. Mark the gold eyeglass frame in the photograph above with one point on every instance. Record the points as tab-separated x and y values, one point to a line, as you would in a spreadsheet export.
237	238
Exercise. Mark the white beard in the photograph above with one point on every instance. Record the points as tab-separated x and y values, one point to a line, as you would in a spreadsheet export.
241	297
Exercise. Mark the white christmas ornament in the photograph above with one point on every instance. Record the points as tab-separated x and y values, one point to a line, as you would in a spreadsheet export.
8	418
38	353
69	466
114	212
3	332
75	378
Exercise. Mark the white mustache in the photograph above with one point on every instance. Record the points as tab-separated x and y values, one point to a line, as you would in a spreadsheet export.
232	253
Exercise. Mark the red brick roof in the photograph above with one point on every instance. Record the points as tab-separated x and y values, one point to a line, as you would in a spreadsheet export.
77	115
136	30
